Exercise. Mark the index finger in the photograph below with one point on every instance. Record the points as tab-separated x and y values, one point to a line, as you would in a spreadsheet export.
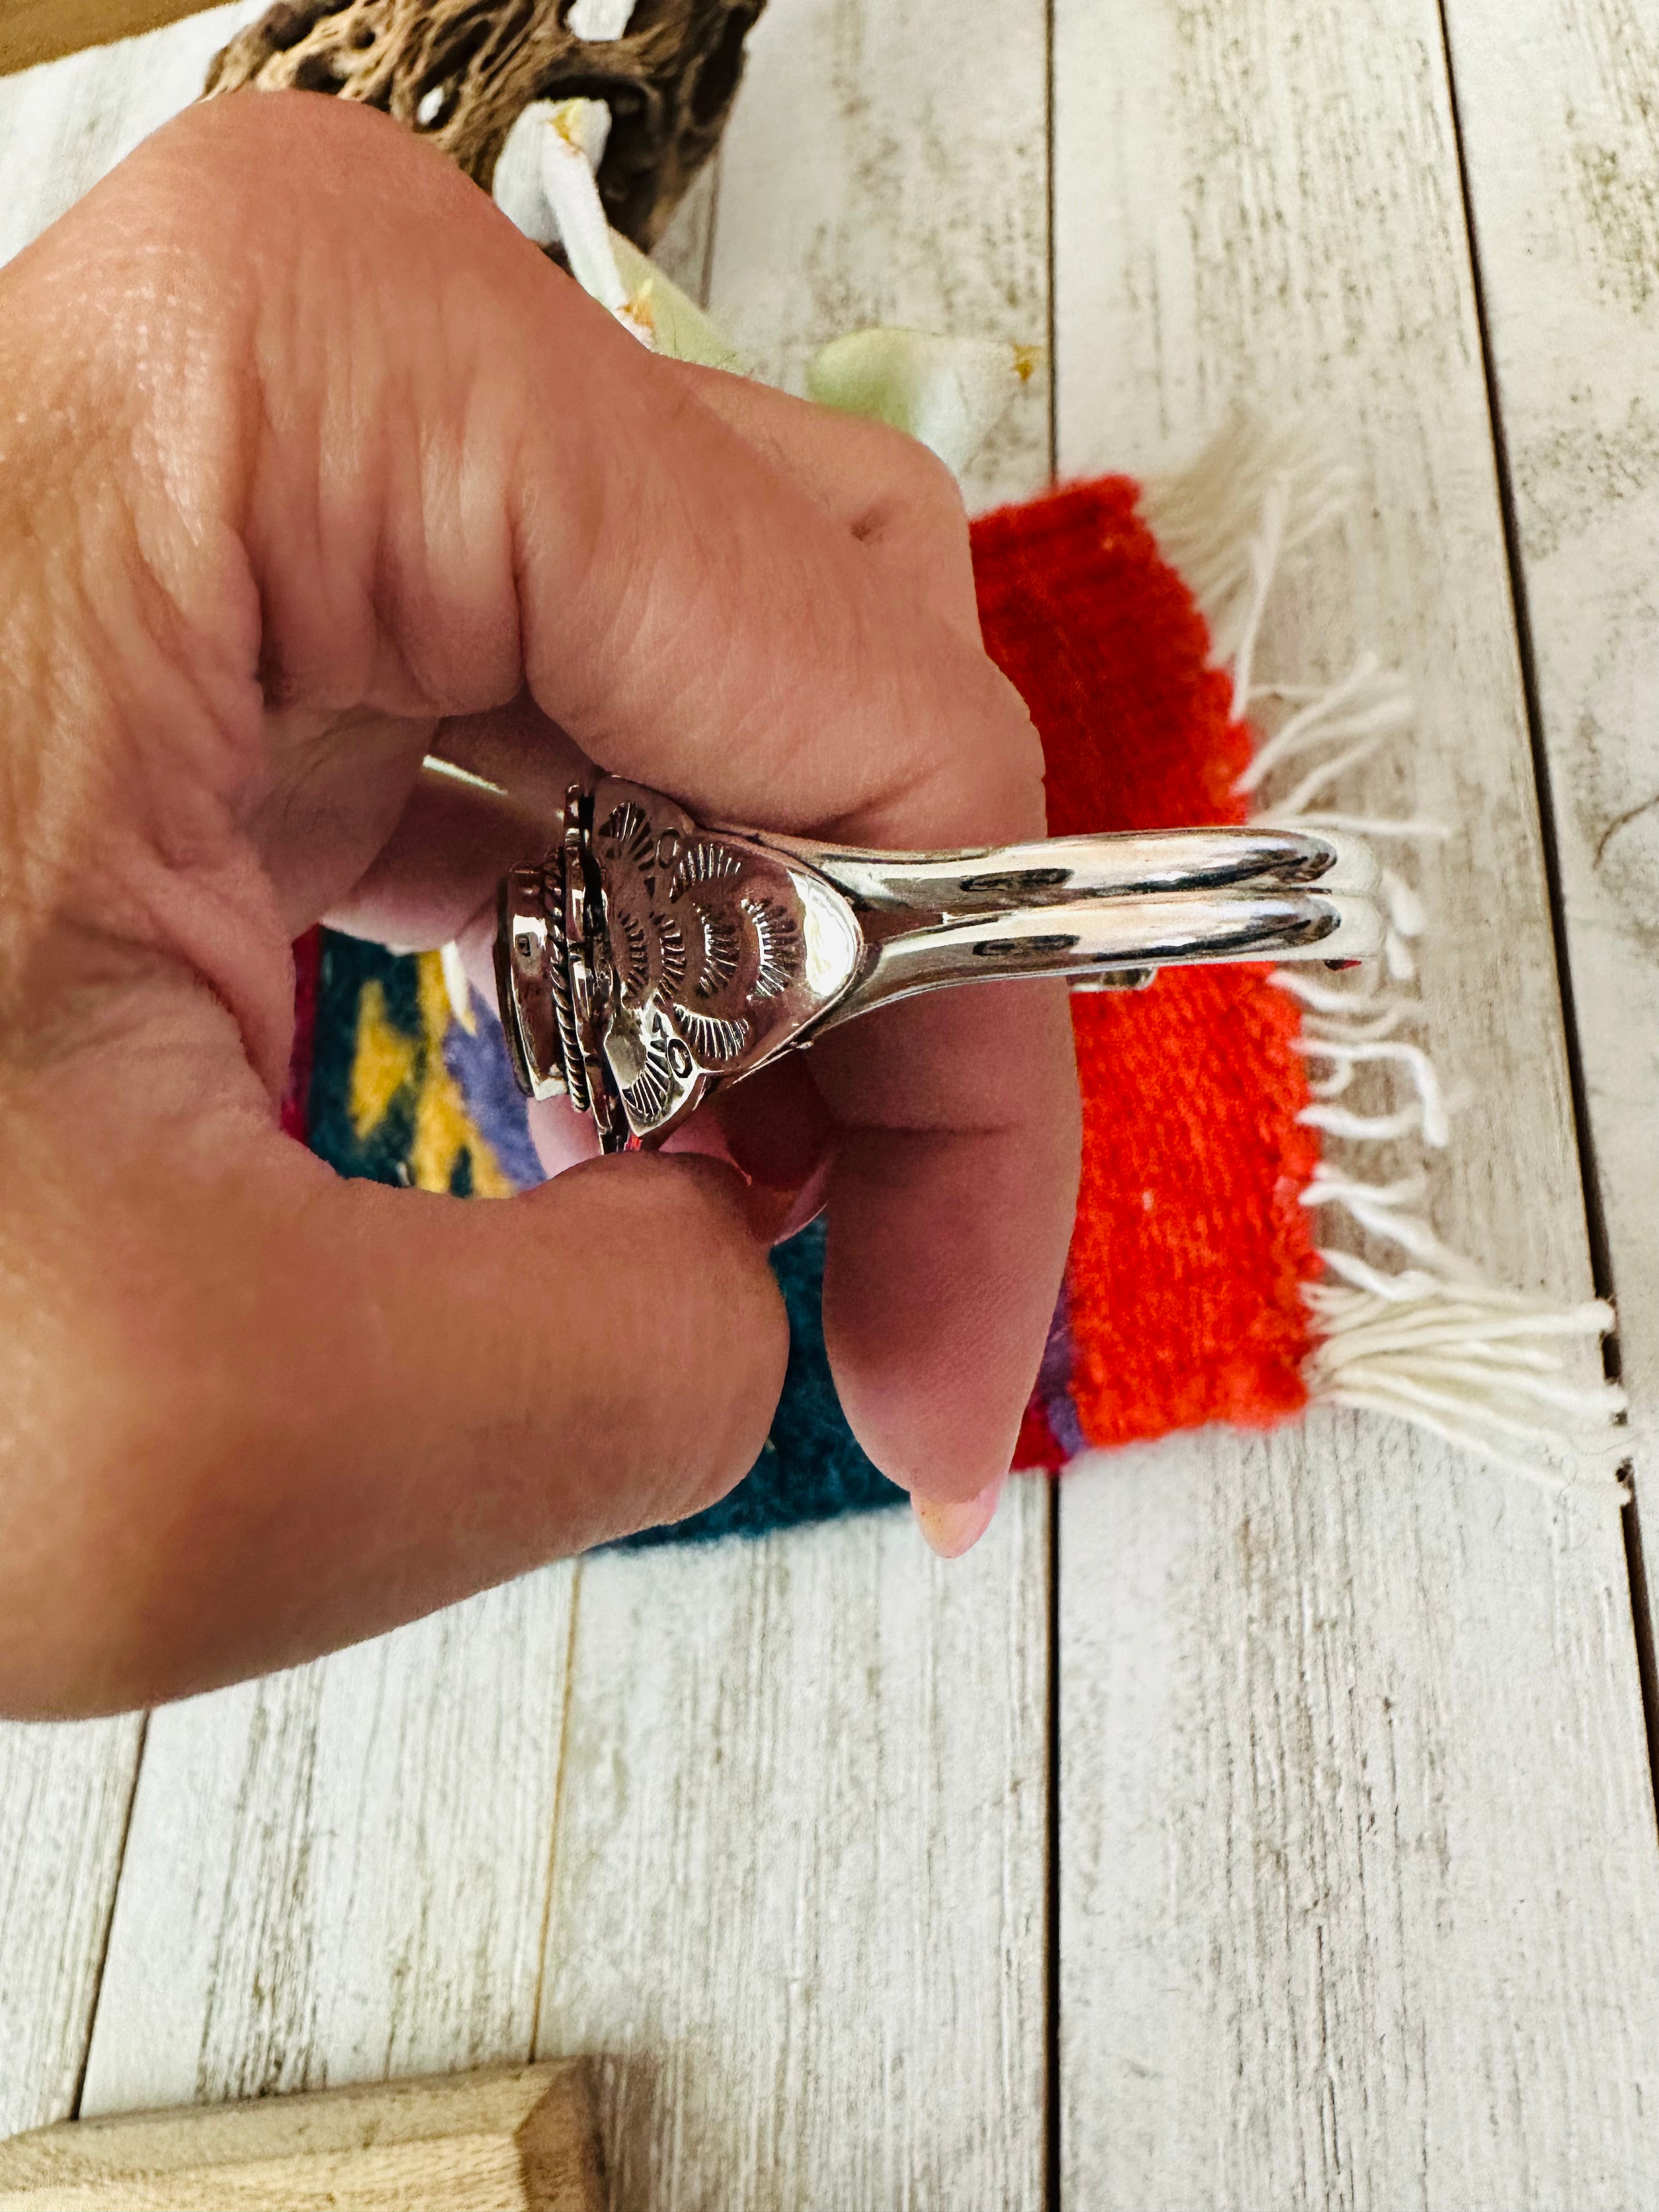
832	701
504	488
951	1200
952	1196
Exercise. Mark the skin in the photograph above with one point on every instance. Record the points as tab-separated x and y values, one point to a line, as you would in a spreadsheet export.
310	465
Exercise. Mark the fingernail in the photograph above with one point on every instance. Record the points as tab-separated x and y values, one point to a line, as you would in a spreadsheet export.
809	1201
951	1529
702	1144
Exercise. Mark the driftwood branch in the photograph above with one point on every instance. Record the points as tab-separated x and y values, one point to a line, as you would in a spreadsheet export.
459	72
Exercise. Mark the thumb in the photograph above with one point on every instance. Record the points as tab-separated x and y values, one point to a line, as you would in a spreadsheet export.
260	1413
377	463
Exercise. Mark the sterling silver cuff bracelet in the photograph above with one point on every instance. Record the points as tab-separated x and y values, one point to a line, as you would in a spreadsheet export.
648	959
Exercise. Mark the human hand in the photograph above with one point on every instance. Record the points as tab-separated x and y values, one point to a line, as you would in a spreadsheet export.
309	465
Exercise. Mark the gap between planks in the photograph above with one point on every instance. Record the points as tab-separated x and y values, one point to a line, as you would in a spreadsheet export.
1590	1176
1357	1857
269	1931
1554	107
1594	1173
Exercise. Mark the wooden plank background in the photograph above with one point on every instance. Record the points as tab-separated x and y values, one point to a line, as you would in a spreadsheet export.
1559	102
1358	1892
64	1798
789	1878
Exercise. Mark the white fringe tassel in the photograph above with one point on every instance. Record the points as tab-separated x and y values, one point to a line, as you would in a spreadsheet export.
1432	1343
1470	1364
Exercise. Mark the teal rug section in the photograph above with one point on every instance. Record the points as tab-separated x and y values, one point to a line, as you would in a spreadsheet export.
810	1468
348	967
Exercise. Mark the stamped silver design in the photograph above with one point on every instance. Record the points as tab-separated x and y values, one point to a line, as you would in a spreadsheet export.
649	958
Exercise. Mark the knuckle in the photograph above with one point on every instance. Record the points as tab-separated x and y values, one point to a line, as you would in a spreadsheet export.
915	490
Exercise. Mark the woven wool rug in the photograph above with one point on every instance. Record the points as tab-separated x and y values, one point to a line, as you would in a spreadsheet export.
1214	1137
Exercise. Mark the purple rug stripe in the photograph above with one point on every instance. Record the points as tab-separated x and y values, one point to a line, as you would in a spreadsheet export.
1054	1388
484	1075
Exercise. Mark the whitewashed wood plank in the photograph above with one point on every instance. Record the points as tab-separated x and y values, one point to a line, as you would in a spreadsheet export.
798	1891
917	2072
64	1794
261	1943
798	1898
340	1873
1560	101
1357	1854
888	165
685	248
1360	1890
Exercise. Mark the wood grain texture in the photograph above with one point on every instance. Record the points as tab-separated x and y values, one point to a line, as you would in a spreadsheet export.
1358	1899
64	1794
799	1881
797	1897
888	165
1358	1867
513	2139
1560	101
1360	1890
340	1873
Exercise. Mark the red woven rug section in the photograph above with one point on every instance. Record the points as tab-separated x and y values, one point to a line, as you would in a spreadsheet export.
1191	1244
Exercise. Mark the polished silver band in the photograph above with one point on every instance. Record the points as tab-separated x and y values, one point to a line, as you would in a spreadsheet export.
649	958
